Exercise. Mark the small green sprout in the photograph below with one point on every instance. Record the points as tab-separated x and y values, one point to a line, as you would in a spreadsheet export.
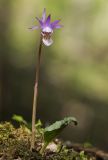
19	119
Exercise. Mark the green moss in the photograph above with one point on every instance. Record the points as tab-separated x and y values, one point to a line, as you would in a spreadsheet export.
15	144
69	155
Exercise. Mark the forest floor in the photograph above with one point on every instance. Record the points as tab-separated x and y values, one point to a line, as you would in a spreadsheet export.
15	145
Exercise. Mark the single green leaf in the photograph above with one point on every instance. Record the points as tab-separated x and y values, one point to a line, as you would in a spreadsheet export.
19	119
53	130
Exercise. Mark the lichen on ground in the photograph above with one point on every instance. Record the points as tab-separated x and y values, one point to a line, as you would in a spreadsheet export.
15	145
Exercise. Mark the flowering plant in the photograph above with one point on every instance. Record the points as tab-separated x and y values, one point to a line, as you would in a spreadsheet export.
47	27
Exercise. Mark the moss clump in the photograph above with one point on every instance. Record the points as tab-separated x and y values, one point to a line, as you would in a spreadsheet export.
15	145
70	155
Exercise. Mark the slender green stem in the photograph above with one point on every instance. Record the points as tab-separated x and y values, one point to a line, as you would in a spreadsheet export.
36	95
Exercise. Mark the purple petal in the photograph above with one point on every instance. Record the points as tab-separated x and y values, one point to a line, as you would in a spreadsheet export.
48	20
53	24
34	27
58	26
40	21
44	15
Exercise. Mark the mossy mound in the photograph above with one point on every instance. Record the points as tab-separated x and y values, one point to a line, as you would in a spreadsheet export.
15	145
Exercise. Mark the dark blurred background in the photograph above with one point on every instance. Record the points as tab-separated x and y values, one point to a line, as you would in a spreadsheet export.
74	70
